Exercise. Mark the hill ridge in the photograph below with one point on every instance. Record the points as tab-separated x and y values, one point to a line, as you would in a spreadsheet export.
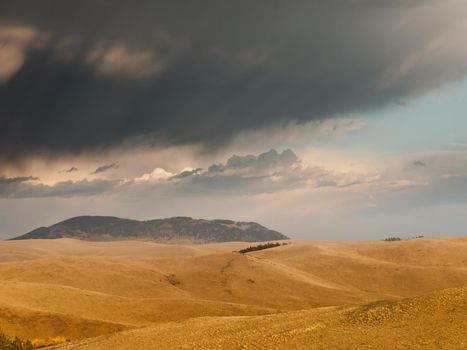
171	230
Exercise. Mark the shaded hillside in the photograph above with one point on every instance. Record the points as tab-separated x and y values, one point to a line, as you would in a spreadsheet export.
97	228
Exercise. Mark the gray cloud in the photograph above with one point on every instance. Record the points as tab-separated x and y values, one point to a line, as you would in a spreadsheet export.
267	172
104	168
201	72
15	180
265	162
17	188
9	185
187	173
69	170
418	163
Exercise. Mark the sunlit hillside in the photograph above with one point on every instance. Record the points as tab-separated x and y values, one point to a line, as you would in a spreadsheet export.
132	292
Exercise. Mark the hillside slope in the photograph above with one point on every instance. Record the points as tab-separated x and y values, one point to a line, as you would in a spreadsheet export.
81	289
177	229
435	321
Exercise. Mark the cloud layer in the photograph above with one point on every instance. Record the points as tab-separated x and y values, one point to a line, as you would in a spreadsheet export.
267	172
30	187
201	72
325	196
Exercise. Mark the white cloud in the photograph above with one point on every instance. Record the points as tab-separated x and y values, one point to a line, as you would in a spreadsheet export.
158	174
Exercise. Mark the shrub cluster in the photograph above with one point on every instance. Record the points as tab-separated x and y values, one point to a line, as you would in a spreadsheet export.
392	239
172	280
14	344
260	247
417	237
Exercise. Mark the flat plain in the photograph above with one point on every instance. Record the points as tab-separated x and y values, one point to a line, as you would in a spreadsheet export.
304	295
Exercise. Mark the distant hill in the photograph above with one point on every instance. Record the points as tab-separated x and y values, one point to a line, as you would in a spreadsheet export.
177	229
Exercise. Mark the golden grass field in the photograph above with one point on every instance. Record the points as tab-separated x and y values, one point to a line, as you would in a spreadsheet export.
306	295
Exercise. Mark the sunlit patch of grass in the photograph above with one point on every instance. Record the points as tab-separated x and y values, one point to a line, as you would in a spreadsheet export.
40	343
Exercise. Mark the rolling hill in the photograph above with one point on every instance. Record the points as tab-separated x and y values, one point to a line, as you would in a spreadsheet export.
175	230
147	295
304	295
430	322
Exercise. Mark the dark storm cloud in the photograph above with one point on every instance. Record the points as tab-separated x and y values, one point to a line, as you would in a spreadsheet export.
90	75
104	168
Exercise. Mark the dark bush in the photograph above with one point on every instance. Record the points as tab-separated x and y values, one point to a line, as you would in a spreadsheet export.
417	237
14	344
260	247
172	280
392	239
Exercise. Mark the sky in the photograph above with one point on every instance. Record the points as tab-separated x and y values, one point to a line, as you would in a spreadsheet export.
330	119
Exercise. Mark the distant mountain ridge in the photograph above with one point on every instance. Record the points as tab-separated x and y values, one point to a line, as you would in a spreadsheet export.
176	229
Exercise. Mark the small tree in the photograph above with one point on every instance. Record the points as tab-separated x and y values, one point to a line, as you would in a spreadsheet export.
259	247
392	239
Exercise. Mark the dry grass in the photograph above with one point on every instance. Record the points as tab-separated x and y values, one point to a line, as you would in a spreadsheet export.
78	290
402	325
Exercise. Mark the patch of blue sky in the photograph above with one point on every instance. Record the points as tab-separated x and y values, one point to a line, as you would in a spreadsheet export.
434	122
